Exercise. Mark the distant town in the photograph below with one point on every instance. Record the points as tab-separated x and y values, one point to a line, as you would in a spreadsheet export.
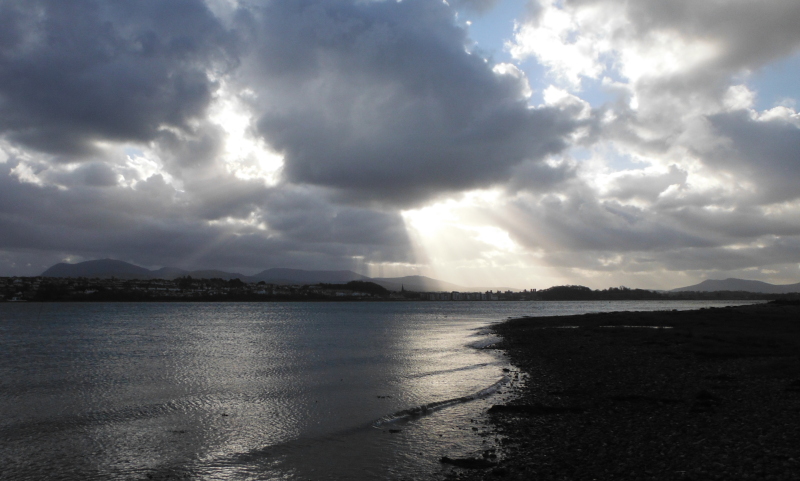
186	288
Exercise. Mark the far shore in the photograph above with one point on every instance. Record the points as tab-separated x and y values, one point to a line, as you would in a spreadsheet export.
690	395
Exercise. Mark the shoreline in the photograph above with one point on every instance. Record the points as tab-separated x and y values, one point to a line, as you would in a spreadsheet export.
684	395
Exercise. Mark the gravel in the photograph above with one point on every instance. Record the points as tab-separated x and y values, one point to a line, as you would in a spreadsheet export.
689	395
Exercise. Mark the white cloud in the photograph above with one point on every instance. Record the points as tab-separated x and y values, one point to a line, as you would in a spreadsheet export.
244	154
344	133
571	45
513	71
738	97
681	142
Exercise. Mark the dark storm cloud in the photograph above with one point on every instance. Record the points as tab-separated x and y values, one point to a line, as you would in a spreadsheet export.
748	34
153	224
376	106
775	251
302	214
540	177
579	221
765	153
580	232
739	223
73	71
639	185
751	33
97	175
194	149
745	261
382	102
297	214
374	102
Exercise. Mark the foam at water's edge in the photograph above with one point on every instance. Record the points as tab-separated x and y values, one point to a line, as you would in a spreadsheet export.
429	408
275	451
483	331
455	369
484	343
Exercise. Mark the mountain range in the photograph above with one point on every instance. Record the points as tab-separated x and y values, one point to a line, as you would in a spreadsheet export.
732	284
107	268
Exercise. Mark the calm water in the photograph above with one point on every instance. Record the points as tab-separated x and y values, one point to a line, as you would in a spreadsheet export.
250	391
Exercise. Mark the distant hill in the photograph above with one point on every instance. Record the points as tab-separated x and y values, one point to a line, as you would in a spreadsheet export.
102	268
169	273
732	284
107	268
427	284
418	284
215	274
299	276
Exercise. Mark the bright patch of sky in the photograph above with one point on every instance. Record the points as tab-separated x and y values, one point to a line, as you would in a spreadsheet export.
658	146
777	84
492	29
132	151
597	92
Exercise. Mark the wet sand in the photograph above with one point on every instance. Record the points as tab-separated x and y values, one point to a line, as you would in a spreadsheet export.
706	394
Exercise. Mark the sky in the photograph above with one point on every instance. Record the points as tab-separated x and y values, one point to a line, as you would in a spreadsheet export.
518	143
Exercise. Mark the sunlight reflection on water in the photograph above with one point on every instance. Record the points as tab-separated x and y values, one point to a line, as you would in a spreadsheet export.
247	391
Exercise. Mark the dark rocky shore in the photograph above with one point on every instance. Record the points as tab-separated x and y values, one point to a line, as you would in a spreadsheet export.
706	394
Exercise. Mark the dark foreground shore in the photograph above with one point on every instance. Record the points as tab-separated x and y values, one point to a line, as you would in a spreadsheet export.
707	394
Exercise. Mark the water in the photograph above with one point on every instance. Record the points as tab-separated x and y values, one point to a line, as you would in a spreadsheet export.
252	391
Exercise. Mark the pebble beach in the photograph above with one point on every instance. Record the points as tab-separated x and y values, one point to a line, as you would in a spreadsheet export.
684	395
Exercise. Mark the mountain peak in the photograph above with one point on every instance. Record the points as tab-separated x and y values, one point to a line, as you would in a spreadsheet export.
98	268
106	268
282	275
745	285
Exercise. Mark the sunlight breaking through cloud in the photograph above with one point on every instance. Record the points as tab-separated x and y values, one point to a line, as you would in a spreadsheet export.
610	143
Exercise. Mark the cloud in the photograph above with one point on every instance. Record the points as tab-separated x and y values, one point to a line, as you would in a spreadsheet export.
381	102
74	72
97	175
228	224
604	242
365	134
540	176
682	174
480	6
745	34
639	185
761	151
581	222
662	42
109	148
